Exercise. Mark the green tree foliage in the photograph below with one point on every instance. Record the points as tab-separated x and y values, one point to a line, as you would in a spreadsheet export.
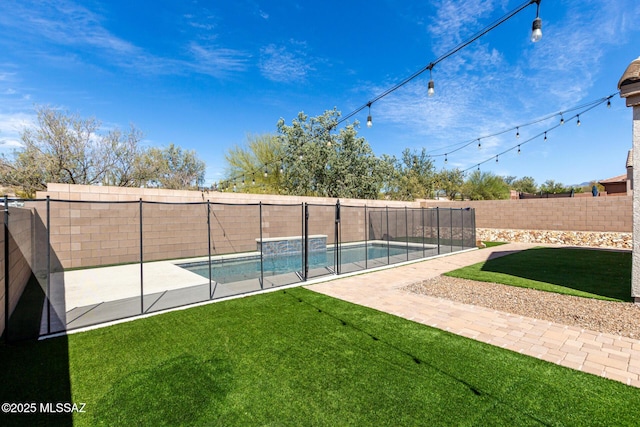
450	181
172	168
485	186
65	148
307	158
246	166
526	184
551	186
413	176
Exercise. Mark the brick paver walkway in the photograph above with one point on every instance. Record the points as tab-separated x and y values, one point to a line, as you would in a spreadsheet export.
602	354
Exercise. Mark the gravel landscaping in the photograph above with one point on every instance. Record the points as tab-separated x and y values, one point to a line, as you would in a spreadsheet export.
619	318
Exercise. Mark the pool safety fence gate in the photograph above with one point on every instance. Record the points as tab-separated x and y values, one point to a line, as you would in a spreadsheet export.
69	264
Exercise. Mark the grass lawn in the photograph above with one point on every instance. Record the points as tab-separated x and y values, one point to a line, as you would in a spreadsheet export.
588	273
294	357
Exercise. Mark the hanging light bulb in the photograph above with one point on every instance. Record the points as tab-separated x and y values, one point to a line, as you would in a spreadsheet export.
517	132
266	172
445	159
545	136
431	86
536	30
369	121
234	187
478	168
253	178
519	150
536	27
496	158
479	144
561	119
608	103
243	180
282	166
578	122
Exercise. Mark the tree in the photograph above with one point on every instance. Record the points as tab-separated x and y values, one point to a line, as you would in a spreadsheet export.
413	176
246	166
172	168
485	186
550	186
526	184
307	158
65	148
450	181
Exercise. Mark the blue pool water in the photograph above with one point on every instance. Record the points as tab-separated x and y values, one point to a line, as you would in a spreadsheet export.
235	270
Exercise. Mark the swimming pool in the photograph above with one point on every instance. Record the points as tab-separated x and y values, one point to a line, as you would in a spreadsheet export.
246	268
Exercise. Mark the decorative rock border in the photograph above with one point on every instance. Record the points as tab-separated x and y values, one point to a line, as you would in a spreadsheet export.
576	238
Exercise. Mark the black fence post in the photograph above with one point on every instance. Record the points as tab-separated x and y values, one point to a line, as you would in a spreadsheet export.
438	226
337	239
423	245
261	251
302	228
388	244
306	242
6	268
451	230
406	229
209	246
141	264
48	264
366	240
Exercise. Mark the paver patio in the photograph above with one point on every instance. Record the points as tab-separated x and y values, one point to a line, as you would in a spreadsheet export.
606	355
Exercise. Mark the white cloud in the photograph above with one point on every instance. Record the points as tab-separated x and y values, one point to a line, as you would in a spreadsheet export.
217	62
282	65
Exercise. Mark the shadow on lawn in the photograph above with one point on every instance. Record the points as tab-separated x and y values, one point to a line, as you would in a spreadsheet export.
605	273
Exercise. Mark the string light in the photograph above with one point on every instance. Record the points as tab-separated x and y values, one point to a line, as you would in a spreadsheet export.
536	26
253	179
608	103
561	119
479	144
369	121
589	107
517	132
445	159
282	166
243	180
431	87
266	172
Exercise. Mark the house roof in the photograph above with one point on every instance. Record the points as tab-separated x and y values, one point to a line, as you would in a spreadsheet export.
615	179
631	75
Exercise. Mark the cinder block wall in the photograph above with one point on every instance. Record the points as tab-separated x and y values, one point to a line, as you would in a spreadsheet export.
88	234
20	257
604	214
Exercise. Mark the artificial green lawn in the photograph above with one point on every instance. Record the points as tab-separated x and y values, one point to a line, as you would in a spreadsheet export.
600	274
294	357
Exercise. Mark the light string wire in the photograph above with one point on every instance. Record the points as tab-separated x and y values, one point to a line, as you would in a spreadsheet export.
451	52
590	107
429	67
511	129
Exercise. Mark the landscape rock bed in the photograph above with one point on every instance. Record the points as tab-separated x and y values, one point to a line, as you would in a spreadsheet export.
618	318
602	239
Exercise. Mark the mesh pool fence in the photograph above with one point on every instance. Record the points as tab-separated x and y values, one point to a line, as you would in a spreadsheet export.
71	264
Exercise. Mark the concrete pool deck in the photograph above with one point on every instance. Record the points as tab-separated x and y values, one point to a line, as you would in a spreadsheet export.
602	354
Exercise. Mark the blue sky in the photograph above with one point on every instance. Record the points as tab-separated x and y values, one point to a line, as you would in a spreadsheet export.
205	74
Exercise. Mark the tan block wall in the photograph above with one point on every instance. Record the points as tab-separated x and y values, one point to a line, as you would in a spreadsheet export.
609	214
87	234
20	258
